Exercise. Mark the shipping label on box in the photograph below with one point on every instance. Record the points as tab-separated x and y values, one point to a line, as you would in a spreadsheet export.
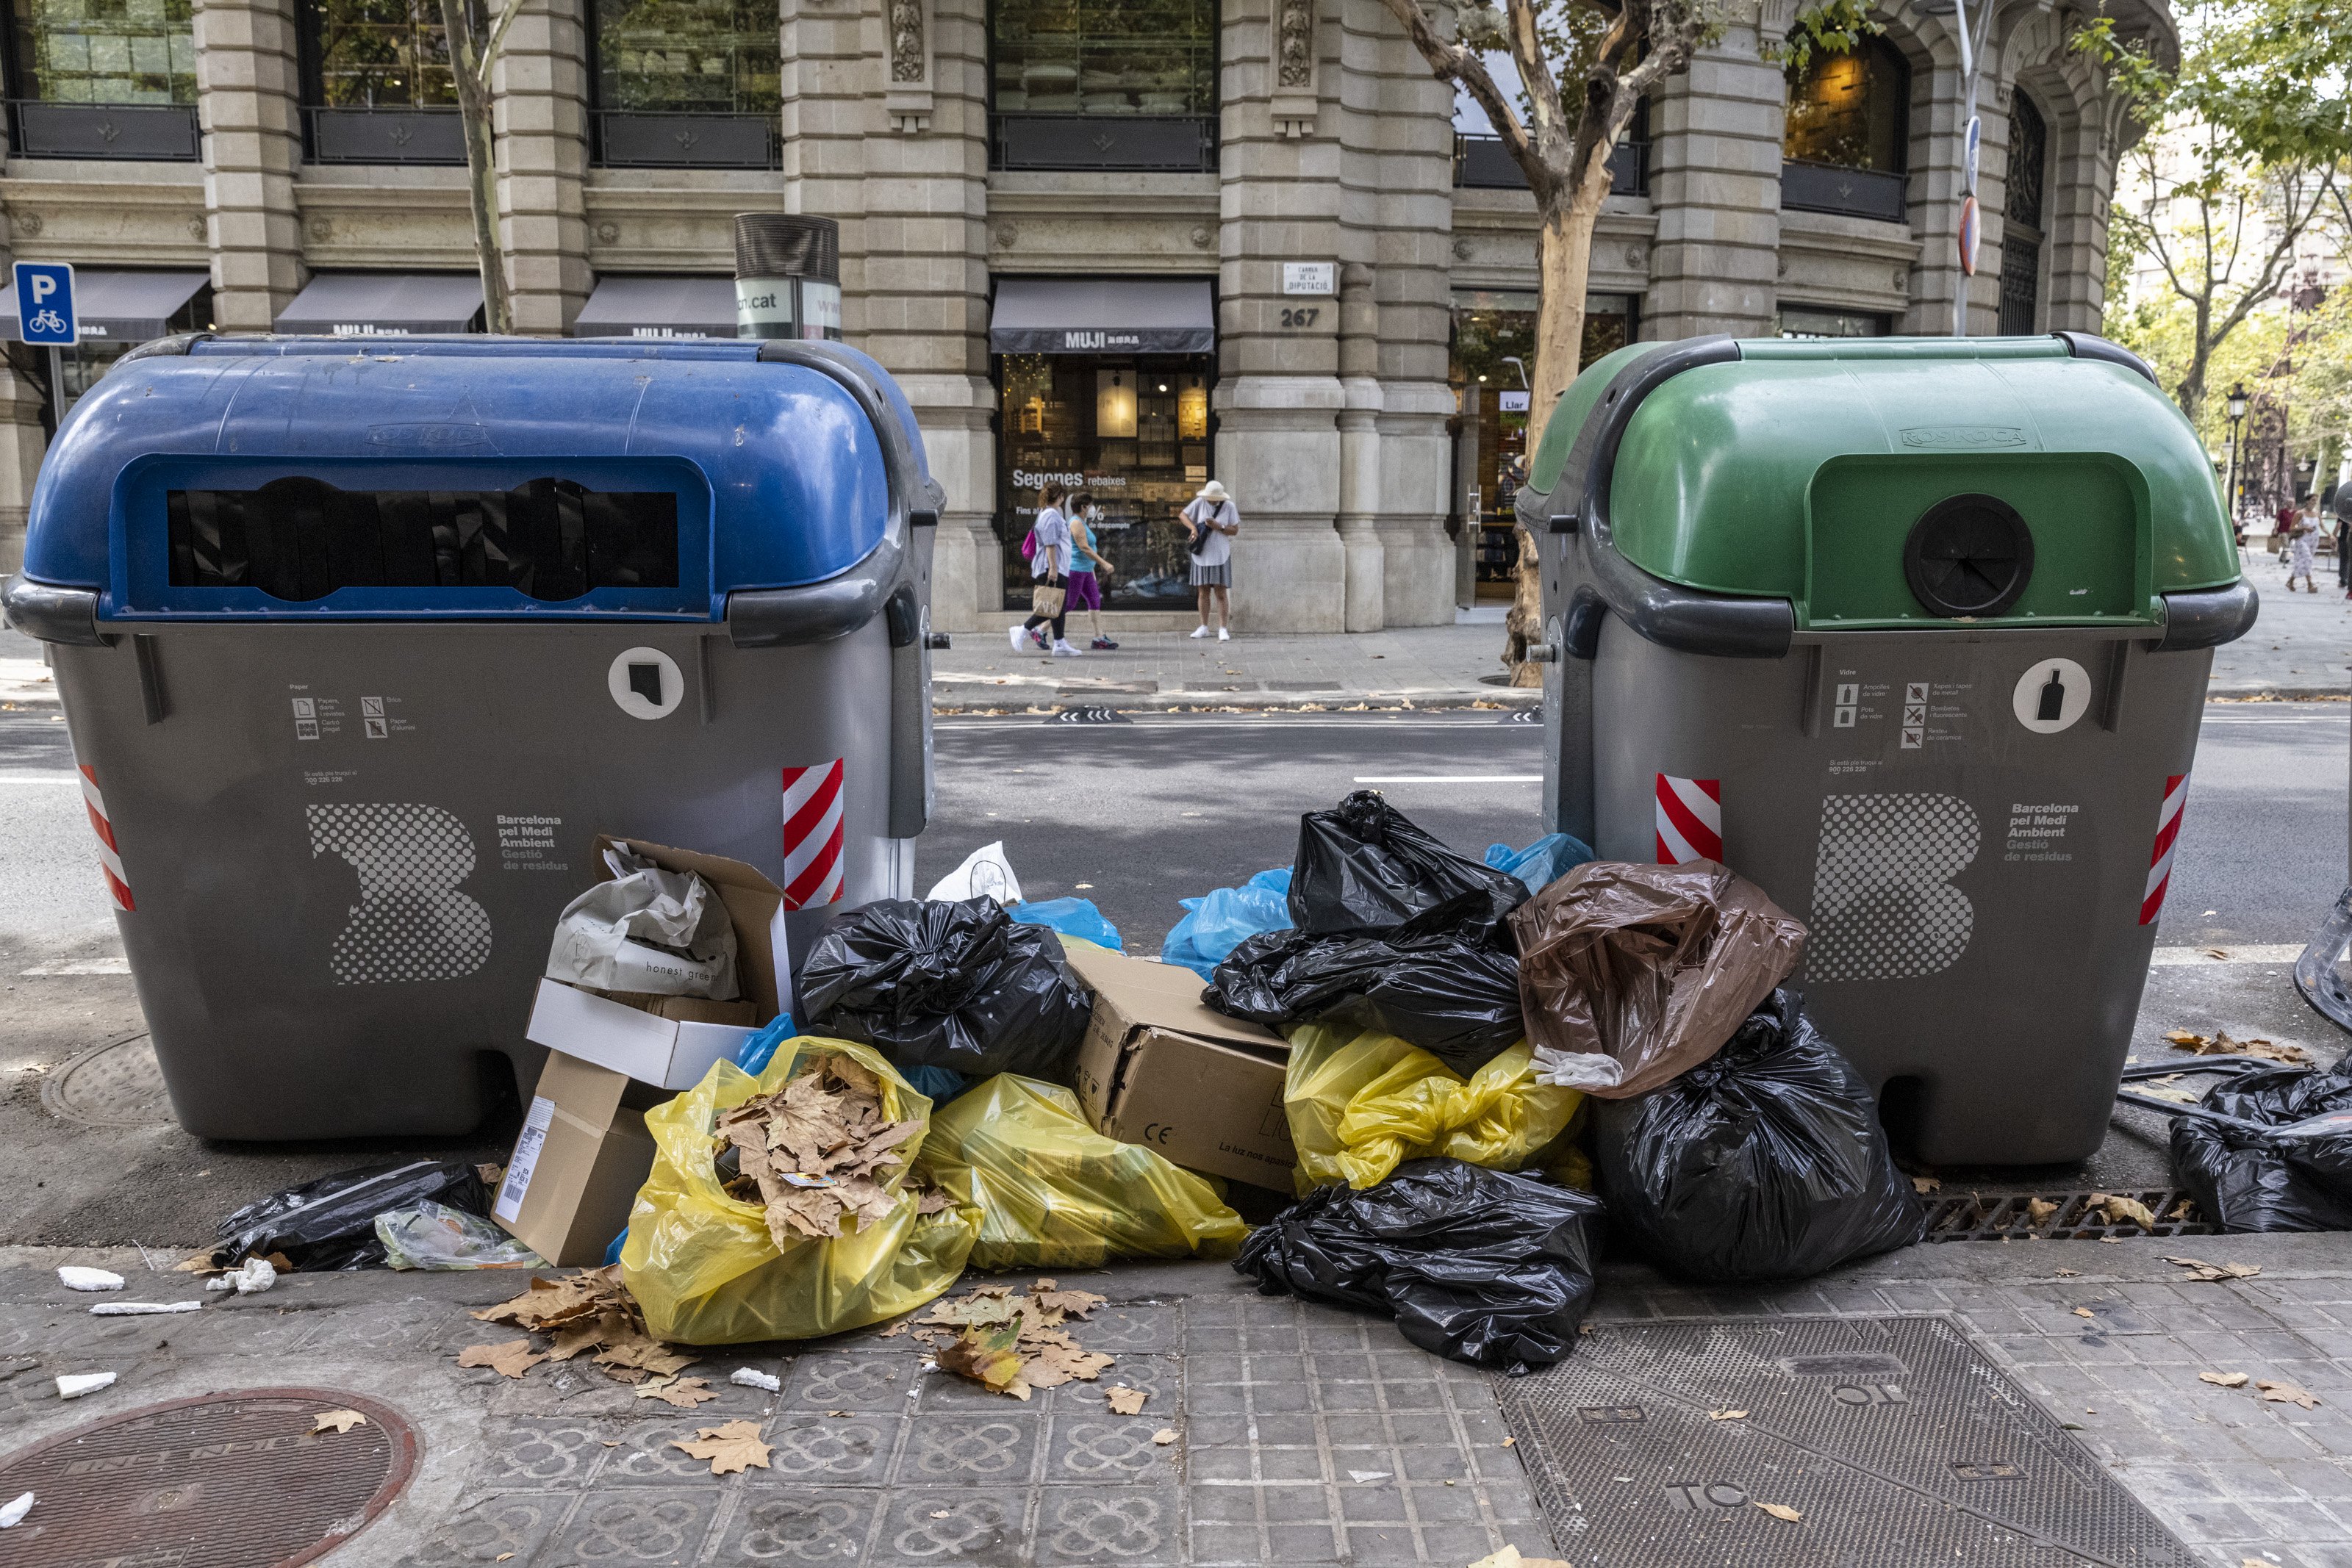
582	1155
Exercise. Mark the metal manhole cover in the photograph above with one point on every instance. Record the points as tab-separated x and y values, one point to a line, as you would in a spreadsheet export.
229	1480
1893	1437
116	1084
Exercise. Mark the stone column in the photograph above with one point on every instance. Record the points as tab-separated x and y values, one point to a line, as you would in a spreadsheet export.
22	440
1359	452
1939	183
1278	395
1716	185
541	90
248	92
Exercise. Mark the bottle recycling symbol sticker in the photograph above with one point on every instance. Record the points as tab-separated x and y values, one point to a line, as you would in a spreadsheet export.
2052	694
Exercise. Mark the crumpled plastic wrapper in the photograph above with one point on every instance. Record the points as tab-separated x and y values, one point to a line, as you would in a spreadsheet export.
1631	975
660	933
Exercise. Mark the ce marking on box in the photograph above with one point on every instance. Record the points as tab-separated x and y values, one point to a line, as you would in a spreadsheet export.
1158	1132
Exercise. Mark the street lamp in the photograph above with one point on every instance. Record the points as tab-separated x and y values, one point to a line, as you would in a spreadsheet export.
2237	405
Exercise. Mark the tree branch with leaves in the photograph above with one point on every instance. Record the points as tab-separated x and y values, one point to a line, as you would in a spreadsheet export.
476	38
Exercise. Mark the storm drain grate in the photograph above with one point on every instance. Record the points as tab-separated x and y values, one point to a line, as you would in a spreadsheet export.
2070	1218
229	1481
1894	1440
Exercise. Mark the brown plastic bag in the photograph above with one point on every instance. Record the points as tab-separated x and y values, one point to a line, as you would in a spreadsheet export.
1631	975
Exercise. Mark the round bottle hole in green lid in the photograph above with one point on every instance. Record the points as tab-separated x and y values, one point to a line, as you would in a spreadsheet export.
1969	556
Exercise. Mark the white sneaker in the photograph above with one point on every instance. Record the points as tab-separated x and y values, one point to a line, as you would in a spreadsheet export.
1224	635
1199	631
1020	635
1064	651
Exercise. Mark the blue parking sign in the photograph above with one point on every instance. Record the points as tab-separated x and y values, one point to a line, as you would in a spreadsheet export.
45	304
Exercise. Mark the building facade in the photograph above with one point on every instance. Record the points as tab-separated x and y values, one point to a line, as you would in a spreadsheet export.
1128	244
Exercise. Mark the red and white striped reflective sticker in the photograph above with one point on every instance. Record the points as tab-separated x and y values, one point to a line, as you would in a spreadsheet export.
2168	839
109	858
1690	820
812	835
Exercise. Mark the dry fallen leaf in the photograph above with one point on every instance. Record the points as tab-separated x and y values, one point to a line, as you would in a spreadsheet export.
2208	1273
1508	1557
1509	1441
987	1356
2082	1313
1727	1415
1125	1401
2221	1044
336	1420
1165	1436
1923	1186
685	1393
502	1557
2223	1379
2070	1273
512	1359
2120	1211
2038	1210
817	1151
731	1447
2181	1210
2279	1393
1781	1512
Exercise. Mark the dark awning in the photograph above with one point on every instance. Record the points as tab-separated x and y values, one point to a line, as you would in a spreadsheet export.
1103	315
122	306
355	303
658	307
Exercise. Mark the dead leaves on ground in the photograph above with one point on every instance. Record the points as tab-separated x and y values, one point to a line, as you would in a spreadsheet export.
2219	1043
2223	1379
2211	1274
685	1393
1781	1512
1727	1415
512	1359
817	1150
591	1310
730	1447
1013	1344
2117	1209
2283	1393
336	1421
1124	1401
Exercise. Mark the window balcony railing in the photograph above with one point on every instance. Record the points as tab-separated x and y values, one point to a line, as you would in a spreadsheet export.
649	139
1852	193
1480	163
161	133
1184	143
384	136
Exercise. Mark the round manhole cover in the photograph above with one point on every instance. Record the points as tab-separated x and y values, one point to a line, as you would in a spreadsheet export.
113	1085
230	1480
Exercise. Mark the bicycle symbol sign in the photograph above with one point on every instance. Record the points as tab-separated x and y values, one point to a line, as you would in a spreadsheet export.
45	304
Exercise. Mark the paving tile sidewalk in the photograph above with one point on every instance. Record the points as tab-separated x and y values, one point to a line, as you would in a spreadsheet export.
1307	1435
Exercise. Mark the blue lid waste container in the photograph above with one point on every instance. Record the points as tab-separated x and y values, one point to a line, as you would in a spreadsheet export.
1914	633
362	642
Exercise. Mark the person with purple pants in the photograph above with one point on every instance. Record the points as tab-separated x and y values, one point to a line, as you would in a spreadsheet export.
1086	591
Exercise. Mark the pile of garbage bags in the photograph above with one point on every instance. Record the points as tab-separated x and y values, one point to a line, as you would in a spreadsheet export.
2271	1175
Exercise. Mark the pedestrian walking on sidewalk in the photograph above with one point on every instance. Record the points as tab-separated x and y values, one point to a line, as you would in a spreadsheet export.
1214	520
2343	539
1086	561
2303	541
1048	546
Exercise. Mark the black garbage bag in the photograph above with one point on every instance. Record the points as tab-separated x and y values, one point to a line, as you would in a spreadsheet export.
1364	869
960	985
2251	1181
1493	1268
1455	998
328	1224
1764	1161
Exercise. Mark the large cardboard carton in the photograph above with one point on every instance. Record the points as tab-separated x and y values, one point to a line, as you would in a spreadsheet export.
671	1041
1158	1068
582	1155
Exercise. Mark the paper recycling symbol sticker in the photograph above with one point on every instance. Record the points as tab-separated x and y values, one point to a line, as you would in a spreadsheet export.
646	683
2052	696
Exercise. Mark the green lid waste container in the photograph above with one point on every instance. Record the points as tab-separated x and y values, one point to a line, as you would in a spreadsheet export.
1913	633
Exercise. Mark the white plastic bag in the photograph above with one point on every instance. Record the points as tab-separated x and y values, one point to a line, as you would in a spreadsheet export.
430	1235
984	870
665	933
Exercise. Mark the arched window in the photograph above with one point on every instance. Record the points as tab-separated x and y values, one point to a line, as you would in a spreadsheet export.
2027	226
1843	145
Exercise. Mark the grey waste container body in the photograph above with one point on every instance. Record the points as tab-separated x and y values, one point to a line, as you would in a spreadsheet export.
339	829
1980	851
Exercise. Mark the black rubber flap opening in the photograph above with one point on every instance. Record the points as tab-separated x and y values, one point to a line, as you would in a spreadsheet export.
1969	554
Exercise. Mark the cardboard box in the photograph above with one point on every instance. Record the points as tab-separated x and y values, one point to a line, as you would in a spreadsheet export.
671	1043
1158	1068
582	1155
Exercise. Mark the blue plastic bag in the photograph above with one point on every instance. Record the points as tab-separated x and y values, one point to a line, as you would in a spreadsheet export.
753	1055
1220	921
1543	863
1072	917
937	1084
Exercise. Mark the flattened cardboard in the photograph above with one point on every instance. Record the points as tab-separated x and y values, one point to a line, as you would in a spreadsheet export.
1158	1068
576	1167
671	1041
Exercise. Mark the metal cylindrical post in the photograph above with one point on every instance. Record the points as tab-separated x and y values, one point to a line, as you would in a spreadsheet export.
787	275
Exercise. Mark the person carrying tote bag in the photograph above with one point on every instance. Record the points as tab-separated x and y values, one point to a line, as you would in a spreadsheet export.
1214	520
1049	547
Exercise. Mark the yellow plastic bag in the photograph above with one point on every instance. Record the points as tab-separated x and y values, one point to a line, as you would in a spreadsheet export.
1360	1104
702	1264
1053	1193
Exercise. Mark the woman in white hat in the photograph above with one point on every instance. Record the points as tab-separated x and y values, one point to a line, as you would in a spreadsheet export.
1214	520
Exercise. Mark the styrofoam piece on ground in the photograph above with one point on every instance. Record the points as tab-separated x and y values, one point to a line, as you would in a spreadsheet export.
13	1514
74	1385
749	1377
141	1308
74	1277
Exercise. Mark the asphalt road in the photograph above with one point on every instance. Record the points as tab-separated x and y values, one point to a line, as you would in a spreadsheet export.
1135	816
